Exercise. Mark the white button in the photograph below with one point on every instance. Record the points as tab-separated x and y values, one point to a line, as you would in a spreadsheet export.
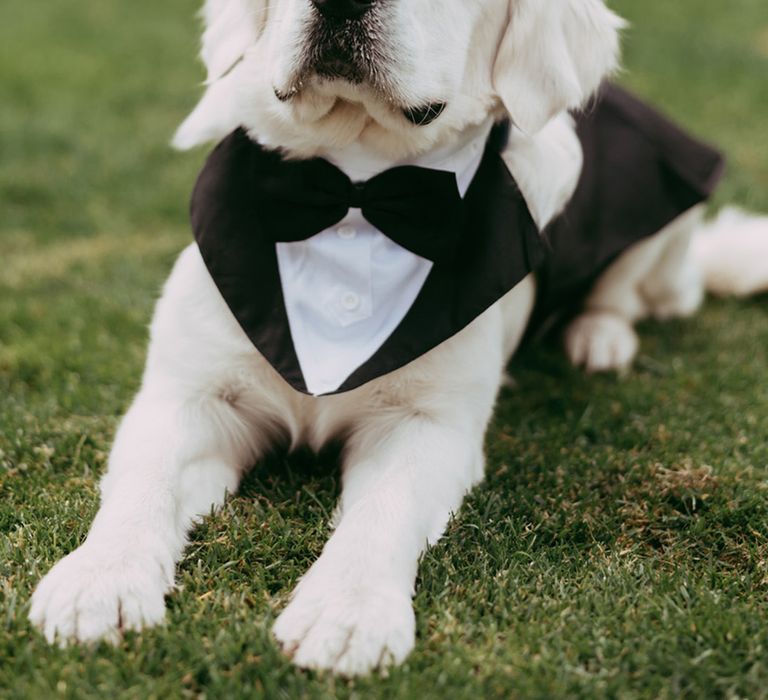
350	301
346	232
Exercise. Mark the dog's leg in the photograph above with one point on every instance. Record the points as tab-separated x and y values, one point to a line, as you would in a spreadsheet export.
170	463
352	611
417	450
656	277
182	445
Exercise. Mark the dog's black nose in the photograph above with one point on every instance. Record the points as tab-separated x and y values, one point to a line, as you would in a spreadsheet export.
343	9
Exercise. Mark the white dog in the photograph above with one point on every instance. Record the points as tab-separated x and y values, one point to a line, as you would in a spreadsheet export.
367	84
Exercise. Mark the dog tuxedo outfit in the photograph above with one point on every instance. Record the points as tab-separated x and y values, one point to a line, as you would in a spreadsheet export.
339	276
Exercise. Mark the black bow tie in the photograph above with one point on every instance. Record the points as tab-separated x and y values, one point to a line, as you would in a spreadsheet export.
418	208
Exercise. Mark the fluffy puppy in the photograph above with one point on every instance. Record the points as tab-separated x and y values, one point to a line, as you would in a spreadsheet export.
388	82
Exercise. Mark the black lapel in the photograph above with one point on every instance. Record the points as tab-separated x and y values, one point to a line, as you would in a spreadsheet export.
240	255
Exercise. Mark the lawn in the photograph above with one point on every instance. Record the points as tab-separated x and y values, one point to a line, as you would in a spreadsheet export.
619	546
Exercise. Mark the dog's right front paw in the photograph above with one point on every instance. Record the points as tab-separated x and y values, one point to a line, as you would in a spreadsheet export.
96	593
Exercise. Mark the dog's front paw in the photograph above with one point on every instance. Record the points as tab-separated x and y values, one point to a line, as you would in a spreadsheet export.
601	342
96	593
332	624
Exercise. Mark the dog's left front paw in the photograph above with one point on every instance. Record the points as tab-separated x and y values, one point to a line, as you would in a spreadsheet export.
348	629
601	342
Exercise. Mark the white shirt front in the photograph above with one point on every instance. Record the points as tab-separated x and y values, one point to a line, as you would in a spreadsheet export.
347	288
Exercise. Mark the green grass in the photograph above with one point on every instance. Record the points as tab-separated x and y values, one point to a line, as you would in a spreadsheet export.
618	547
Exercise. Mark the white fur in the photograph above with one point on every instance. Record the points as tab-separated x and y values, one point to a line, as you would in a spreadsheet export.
232	26
210	405
546	166
733	264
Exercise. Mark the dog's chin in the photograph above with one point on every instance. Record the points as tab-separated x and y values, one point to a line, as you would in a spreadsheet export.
311	115
332	89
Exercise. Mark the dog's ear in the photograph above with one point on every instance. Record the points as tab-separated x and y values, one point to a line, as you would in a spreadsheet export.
231	28
553	56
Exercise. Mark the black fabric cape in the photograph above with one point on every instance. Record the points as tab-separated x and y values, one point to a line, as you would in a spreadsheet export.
640	173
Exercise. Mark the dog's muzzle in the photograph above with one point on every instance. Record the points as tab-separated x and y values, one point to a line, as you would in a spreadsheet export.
344	42
341	40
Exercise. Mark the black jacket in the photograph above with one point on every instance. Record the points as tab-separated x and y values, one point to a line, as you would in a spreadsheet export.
640	173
